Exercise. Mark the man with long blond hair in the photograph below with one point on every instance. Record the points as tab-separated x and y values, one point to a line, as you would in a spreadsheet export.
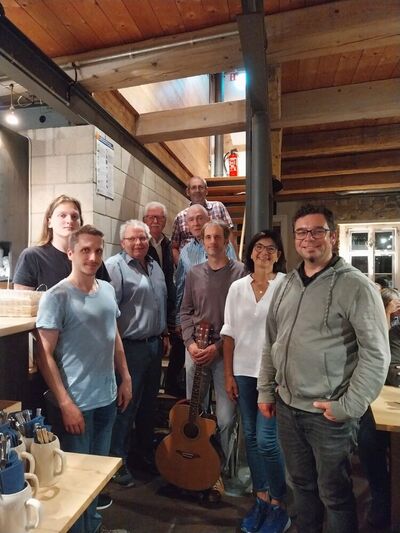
46	264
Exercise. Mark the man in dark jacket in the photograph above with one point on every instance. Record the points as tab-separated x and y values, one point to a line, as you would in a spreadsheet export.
155	216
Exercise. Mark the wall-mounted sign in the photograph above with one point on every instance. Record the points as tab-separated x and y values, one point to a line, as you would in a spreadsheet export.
104	166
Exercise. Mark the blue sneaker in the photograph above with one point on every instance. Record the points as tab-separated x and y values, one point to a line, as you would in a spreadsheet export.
277	521
255	517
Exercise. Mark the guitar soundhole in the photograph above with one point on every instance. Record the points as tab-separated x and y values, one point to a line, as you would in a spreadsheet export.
190	430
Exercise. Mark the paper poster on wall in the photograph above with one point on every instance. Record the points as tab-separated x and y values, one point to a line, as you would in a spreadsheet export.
104	166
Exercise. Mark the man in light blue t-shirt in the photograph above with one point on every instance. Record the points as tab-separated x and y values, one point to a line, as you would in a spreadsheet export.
79	351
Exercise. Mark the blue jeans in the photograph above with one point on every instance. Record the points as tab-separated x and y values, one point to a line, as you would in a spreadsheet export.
144	363
263	452
95	441
317	456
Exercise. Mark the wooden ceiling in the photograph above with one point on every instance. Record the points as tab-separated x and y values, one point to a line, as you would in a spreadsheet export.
339	74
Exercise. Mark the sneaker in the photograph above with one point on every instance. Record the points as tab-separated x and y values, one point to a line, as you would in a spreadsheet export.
255	517
124	478
276	521
104	501
217	491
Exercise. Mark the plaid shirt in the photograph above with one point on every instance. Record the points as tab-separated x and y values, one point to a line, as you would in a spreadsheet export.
180	230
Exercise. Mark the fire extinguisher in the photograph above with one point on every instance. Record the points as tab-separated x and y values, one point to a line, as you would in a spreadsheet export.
232	158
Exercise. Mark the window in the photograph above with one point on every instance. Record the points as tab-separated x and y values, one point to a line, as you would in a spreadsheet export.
373	249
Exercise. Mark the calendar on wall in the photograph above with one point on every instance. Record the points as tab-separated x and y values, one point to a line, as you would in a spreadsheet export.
104	166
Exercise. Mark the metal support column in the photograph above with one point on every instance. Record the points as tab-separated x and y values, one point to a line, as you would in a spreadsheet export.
258	145
219	139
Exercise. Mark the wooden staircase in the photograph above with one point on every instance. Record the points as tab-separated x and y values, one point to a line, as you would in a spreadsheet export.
232	193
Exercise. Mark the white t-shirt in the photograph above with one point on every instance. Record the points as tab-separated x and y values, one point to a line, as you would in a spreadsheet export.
244	321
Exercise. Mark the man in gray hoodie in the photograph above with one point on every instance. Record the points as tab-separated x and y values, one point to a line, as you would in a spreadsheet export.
325	360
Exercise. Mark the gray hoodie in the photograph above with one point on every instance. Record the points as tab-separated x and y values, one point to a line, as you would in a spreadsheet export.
327	341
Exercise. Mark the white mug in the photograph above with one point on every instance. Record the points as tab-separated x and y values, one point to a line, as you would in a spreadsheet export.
50	461
28	442
19	512
33	482
26	457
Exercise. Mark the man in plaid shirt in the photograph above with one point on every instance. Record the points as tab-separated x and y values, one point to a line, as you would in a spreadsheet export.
197	191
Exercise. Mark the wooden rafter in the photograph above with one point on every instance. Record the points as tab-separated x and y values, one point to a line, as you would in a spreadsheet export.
342	141
382	161
315	31
334	104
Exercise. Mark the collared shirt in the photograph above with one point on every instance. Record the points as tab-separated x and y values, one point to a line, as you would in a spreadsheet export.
193	253
158	248
141	296
180	230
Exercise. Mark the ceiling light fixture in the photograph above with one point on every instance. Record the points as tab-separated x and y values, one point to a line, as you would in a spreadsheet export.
11	117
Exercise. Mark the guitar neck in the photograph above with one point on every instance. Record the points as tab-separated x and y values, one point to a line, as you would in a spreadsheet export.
202	340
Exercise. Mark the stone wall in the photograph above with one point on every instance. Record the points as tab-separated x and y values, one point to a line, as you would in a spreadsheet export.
63	162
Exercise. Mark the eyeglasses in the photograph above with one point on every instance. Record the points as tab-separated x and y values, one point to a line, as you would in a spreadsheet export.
155	217
261	247
134	239
316	233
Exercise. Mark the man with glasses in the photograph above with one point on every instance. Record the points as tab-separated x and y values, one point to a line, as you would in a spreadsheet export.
325	360
160	249
141	293
197	191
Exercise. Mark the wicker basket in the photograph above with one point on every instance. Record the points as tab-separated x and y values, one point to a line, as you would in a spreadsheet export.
19	303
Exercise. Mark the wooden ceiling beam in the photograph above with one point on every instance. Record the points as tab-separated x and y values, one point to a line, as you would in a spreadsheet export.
346	182
320	106
361	139
314	31
189	122
377	99
383	161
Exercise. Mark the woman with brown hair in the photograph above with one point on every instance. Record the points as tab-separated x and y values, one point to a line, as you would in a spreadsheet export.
243	334
42	266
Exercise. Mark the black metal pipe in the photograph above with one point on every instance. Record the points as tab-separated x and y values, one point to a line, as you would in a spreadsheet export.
219	139
258	143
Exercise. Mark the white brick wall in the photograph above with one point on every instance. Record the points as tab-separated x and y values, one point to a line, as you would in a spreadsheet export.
63	162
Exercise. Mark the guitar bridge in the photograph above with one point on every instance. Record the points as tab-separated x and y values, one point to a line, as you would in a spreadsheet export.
188	455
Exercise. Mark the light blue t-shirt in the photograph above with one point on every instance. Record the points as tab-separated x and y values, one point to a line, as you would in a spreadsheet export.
85	349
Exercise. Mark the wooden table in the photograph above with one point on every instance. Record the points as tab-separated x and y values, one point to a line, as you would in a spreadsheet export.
83	479
386	410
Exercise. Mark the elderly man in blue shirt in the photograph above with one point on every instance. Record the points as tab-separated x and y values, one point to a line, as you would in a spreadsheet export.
193	253
141	293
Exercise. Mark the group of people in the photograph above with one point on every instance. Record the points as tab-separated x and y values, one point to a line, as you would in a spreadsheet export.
301	355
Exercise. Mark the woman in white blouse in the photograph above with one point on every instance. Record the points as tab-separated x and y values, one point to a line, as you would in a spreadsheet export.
243	335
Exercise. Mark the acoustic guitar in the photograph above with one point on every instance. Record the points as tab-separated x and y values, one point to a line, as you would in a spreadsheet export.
187	456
